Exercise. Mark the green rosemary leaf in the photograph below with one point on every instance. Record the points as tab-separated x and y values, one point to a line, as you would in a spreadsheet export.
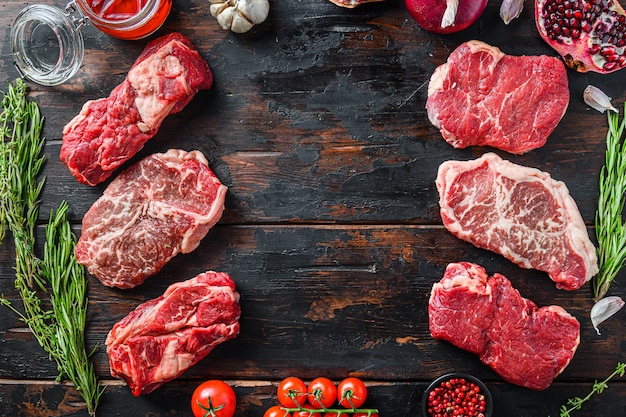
576	403
610	228
59	329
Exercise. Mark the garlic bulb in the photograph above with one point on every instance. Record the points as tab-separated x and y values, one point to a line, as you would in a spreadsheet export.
239	16
604	309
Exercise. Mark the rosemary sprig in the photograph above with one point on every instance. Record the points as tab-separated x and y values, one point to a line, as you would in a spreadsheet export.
598	387
60	329
610	228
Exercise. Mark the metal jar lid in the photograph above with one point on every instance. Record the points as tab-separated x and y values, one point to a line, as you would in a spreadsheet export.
47	44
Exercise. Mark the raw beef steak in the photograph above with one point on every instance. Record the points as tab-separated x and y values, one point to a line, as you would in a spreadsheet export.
160	206
483	97
163	337
520	213
109	131
525	345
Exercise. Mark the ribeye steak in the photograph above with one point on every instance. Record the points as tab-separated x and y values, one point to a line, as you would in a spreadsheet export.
109	131
481	96
163	337
524	344
520	213
160	206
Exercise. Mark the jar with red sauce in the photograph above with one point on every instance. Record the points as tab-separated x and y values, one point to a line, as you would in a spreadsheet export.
126	19
48	47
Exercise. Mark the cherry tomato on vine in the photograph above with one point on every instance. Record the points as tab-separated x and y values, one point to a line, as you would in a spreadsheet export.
292	392
275	411
322	393
213	398
351	393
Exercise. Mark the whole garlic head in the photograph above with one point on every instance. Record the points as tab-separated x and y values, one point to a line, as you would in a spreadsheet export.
239	15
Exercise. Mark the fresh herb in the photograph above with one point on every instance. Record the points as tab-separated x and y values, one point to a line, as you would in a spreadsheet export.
610	227
598	387
59	329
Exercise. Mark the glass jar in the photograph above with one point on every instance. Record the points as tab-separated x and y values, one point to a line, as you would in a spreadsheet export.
114	18
48	47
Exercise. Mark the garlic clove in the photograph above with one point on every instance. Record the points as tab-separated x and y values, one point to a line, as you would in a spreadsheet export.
604	309
597	99
511	9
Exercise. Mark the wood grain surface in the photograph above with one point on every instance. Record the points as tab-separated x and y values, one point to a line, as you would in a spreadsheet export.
317	124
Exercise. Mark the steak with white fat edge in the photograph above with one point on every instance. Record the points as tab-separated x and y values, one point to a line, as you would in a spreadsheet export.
163	337
159	207
520	213
109	131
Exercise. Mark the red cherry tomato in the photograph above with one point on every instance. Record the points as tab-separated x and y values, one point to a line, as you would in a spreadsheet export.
322	393
213	398
351	393
292	392
275	411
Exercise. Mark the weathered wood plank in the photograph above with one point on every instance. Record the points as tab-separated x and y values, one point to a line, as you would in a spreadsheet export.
42	399
332	298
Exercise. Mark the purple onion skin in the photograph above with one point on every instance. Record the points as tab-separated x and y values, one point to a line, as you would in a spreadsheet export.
428	14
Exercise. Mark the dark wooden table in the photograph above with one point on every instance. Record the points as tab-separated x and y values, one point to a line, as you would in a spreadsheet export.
316	122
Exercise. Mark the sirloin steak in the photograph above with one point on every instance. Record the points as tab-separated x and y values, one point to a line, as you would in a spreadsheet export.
520	213
483	97
163	337
109	131
524	344
163	205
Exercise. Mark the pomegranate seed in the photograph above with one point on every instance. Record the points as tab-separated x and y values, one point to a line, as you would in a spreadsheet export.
585	26
609	66
607	51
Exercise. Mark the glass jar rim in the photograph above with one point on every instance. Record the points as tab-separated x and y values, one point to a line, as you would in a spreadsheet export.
62	60
143	14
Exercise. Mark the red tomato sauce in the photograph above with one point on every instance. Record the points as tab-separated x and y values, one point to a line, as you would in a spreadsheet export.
110	12
116	9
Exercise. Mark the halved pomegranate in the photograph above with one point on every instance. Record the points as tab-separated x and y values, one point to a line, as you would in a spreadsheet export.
445	16
590	35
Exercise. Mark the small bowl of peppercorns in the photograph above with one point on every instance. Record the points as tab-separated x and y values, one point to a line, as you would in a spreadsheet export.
457	394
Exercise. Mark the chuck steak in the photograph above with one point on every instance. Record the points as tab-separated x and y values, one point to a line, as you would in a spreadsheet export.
524	344
520	213
109	131
481	96
163	337
163	205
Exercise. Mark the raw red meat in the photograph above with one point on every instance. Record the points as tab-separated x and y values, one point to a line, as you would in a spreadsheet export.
109	131
524	344
483	97
520	213
163	205
165	336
